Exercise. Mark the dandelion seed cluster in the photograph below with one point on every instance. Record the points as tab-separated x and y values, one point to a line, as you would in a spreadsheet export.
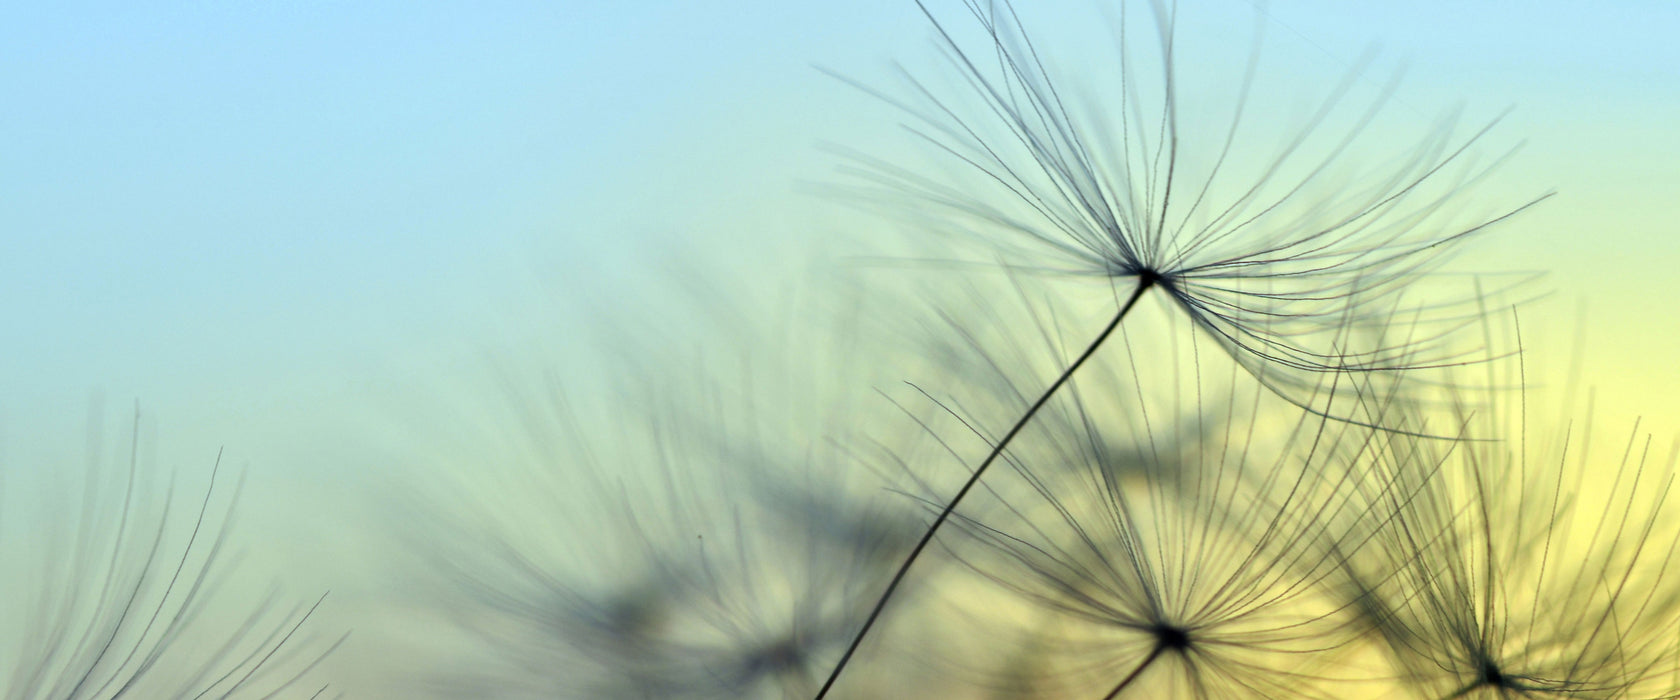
1209	419
1268	469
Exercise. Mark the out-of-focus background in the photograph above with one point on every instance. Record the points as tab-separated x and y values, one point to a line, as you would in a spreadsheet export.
294	230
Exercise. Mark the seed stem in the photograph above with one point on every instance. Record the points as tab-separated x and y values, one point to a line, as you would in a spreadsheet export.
1147	660
1146	280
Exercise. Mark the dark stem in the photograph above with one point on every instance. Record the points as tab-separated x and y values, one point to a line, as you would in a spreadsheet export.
1147	660
1145	281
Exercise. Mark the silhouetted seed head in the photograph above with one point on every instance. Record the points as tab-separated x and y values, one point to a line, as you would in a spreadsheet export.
1491	676
1530	567
1194	571
1277	242
1171	637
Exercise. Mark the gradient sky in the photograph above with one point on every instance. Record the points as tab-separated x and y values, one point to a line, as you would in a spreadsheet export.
245	196
252	216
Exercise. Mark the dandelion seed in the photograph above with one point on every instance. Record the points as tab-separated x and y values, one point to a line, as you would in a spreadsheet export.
1190	565
1276	268
1265	261
121	610
721	553
1518	575
725	589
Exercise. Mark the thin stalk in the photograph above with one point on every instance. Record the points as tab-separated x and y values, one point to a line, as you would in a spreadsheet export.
1153	655
1145	281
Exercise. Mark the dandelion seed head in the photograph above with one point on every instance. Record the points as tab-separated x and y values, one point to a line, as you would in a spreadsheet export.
1171	637
1540	569
728	554
1176	553
1276	244
1491	675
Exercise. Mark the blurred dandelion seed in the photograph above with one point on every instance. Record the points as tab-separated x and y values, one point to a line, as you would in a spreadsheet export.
727	555
116	613
724	587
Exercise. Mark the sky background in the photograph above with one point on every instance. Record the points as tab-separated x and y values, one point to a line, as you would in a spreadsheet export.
277	225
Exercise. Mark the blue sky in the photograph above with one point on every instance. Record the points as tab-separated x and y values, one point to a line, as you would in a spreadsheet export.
209	193
232	193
